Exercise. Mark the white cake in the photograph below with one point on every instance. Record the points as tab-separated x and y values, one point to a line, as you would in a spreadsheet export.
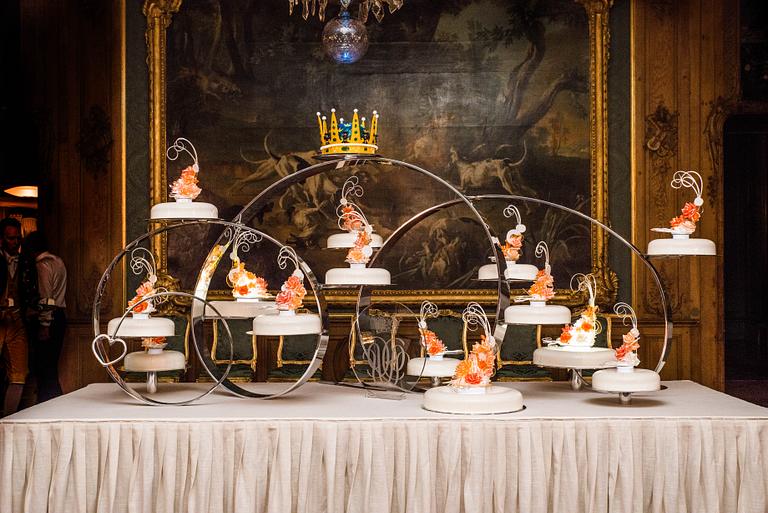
574	357
141	361
681	245
184	209
240	308
513	271
141	326
537	312
347	240
287	322
626	379
358	274
432	367
478	401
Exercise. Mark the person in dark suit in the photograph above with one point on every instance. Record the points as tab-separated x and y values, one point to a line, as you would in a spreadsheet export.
47	334
18	303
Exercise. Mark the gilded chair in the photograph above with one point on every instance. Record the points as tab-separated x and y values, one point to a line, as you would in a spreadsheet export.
245	354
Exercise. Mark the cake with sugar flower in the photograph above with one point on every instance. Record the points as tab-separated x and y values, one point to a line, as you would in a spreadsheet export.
537	311
434	365
681	227
288	301
185	189
512	249
470	390
351	218
574	348
625	378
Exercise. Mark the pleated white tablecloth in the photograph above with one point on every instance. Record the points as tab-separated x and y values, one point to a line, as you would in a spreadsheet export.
331	449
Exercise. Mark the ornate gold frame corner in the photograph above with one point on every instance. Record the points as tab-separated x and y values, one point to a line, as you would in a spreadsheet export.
159	14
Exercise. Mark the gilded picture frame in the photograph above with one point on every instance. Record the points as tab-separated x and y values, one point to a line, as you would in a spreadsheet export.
159	14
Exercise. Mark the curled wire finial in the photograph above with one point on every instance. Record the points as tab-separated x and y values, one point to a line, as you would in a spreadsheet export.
288	255
626	312
474	315
143	261
543	250
428	310
243	240
585	282
691	180
511	210
351	188
354	214
178	147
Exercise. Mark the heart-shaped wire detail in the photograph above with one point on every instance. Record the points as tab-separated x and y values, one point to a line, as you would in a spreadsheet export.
111	341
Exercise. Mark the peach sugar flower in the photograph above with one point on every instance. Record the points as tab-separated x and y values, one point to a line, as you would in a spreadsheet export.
144	289
150	342
511	249
582	332
688	218
291	294
543	289
630	344
245	283
357	254
432	342
185	187
350	221
478	367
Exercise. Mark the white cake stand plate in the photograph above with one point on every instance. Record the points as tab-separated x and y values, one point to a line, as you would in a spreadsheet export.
494	400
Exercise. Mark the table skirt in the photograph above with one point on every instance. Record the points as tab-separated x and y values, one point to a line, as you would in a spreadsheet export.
379	466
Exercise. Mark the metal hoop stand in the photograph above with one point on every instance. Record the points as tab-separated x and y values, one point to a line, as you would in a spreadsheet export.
260	201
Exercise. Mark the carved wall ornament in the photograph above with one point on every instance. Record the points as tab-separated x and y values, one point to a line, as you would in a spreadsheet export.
661	132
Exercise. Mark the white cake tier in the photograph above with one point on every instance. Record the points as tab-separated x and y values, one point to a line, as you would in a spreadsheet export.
681	245
358	274
287	323
347	240
494	399
241	308
181	209
431	367
513	271
141	361
537	312
619	380
141	326
574	357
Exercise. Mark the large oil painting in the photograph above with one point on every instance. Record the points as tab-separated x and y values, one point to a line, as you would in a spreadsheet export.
491	95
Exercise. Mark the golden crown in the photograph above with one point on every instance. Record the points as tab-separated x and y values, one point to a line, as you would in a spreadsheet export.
338	137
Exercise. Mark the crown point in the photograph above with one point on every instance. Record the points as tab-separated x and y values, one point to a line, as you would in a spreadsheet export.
374	112
333	110
355	110
318	113
324	117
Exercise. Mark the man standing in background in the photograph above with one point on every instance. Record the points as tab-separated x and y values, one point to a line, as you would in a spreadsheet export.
18	301
47	335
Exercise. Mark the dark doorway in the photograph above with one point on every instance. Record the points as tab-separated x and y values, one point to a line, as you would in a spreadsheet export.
746	256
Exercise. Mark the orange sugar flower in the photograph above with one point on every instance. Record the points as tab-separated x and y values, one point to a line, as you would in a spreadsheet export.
691	212
473	378
462	369
566	335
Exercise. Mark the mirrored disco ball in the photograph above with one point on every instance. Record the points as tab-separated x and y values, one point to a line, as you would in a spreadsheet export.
345	39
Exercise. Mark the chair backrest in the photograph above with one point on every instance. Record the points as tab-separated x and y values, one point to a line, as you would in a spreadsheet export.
245	353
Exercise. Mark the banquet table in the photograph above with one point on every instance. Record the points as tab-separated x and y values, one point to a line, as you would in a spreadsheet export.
327	448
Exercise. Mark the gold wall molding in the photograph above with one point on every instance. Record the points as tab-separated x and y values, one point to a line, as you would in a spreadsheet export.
159	15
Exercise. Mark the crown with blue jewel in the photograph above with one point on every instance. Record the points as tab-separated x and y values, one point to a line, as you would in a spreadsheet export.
338	137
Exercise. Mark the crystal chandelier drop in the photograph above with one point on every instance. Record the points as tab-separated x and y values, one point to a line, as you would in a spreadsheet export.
345	39
317	7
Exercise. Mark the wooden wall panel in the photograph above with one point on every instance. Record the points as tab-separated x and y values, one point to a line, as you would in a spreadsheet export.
73	67
684	60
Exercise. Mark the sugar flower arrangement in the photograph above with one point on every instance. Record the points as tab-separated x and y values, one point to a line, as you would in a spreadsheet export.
143	261
291	295
581	333
185	187
429	339
477	369
153	343
513	244
543	288
690	214
626	354
244	283
352	219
